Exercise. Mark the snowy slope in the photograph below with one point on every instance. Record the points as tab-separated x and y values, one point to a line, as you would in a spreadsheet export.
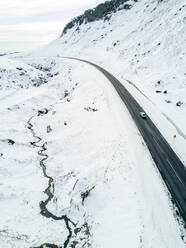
91	145
75	171
147	47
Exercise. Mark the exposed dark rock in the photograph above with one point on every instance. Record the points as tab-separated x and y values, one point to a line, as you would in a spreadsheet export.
44	68
102	12
56	74
22	74
3	54
49	129
66	93
47	245
11	142
43	111
50	75
90	109
127	6
179	103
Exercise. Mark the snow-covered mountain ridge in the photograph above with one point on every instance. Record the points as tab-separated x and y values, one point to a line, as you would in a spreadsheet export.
103	11
75	171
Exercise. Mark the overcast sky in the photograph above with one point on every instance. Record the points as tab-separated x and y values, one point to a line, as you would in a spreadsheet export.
38	20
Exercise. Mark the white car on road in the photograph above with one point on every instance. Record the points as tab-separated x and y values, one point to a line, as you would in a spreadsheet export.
143	115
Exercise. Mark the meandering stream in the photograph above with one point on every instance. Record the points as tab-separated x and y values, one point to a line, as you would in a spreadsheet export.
49	191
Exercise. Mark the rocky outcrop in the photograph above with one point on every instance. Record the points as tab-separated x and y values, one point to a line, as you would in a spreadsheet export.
102	12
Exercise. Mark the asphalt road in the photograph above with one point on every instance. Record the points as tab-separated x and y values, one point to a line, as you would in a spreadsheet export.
170	167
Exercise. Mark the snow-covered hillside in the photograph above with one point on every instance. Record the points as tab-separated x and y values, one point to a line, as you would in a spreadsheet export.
75	171
145	45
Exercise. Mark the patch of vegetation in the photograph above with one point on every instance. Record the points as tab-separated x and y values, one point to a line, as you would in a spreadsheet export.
85	194
13	236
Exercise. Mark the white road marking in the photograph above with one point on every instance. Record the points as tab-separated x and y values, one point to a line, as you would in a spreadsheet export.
175	172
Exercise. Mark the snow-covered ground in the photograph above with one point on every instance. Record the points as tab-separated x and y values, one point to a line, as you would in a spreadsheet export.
145	45
69	146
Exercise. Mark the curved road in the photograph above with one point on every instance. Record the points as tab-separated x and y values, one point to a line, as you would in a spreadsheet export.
170	167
